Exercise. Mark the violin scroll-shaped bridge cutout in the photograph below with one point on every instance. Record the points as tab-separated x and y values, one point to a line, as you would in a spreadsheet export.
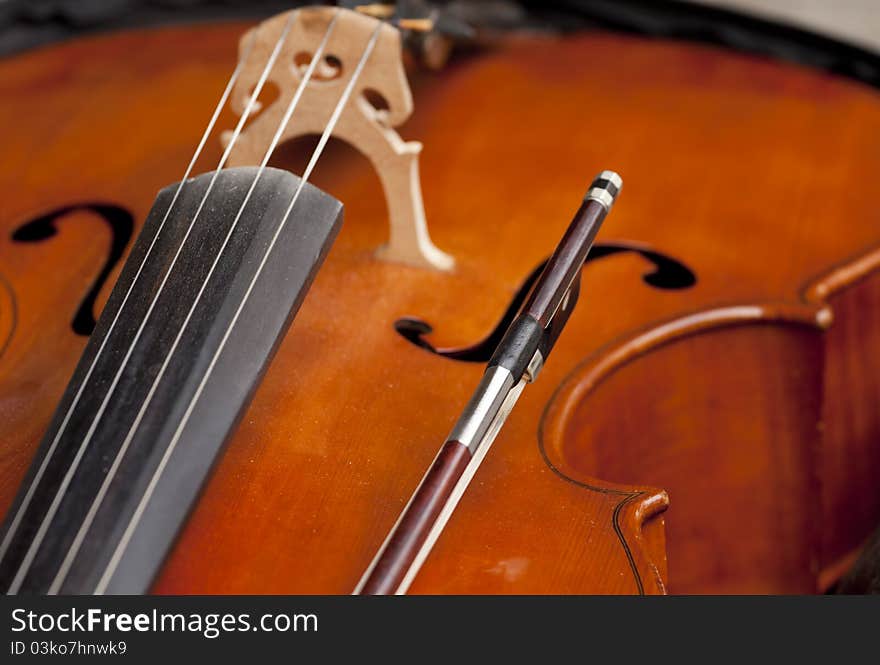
667	274
381	101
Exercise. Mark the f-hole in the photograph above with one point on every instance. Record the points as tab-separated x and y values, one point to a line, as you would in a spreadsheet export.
121	224
667	273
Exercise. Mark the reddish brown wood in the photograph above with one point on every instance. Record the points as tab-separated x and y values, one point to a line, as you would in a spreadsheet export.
416	521
751	397
565	262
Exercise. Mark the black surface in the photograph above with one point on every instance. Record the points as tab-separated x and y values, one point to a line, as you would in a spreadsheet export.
864	576
28	23
281	287
673	19
488	629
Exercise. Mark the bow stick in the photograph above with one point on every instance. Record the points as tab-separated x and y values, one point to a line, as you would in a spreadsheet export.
517	360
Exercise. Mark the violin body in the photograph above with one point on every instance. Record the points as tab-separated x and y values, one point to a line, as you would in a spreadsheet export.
716	432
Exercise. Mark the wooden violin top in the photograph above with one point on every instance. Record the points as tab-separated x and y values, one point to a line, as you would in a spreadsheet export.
723	358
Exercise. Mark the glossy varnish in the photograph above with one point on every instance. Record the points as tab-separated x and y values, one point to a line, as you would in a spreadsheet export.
748	401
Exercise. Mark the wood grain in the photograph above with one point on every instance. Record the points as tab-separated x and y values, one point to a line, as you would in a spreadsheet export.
753	174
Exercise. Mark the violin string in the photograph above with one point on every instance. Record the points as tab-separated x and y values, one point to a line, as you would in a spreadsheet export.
13	526
108	479
68	477
325	136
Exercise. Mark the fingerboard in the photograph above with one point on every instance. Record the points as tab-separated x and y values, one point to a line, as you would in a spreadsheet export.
164	380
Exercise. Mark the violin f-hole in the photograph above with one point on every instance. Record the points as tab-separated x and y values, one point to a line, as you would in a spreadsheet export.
121	224
668	274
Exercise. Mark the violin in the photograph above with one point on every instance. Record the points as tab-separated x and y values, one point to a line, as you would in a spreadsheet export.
516	361
184	409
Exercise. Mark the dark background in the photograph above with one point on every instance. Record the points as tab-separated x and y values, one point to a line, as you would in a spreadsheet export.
28	23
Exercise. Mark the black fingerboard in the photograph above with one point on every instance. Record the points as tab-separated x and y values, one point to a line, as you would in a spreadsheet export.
238	306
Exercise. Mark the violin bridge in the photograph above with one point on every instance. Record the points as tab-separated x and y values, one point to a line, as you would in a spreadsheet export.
363	123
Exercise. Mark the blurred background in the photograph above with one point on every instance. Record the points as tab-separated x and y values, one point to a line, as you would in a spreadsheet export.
840	36
24	23
857	21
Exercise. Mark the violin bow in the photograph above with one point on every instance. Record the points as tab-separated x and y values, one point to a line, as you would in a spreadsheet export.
516	362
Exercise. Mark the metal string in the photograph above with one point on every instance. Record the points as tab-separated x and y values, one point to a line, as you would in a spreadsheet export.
62	490
13	526
96	503
138	513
